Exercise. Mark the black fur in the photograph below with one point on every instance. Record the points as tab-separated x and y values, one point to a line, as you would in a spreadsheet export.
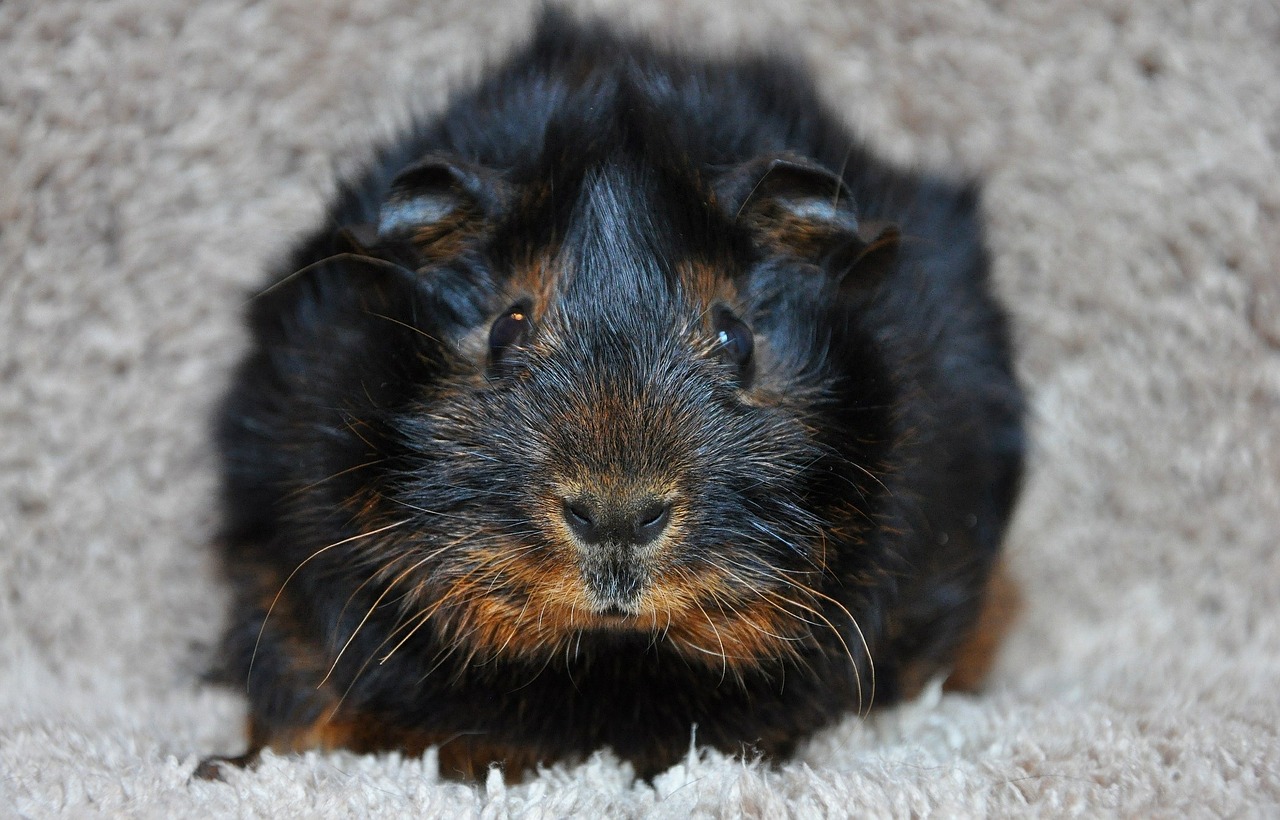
871	447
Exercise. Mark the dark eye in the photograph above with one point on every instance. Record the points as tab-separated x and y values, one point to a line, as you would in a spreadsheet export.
735	338
510	328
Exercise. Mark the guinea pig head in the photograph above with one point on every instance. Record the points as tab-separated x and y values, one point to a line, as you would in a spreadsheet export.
631	427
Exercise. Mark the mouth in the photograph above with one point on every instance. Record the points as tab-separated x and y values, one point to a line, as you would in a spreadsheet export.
616	610
614	617
621	619
615	590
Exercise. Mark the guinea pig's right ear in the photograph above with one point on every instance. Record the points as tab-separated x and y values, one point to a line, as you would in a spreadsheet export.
439	203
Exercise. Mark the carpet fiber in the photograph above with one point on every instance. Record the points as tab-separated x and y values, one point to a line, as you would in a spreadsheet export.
155	155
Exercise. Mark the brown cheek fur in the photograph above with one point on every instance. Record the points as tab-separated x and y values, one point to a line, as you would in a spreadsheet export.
694	614
693	608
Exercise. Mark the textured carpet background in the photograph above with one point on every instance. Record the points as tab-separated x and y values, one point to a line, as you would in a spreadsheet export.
155	154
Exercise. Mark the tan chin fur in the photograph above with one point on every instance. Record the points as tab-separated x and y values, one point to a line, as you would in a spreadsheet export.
702	621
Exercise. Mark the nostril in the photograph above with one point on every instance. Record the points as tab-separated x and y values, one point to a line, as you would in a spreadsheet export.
578	512
580	519
652	520
617	522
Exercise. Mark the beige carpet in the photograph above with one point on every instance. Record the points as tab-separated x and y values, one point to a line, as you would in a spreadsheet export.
155	154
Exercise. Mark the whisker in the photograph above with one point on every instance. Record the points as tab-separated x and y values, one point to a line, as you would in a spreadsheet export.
446	652
373	576
455	516
374	606
871	664
421	621
765	593
844	164
356	677
292	494
372	261
257	643
405	325
511	633
347	422
837	454
401	624
724	671
455	590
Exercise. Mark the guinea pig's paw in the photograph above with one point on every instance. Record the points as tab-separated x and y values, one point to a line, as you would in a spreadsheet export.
215	767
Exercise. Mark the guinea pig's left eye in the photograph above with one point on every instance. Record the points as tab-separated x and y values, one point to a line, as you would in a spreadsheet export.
735	338
510	328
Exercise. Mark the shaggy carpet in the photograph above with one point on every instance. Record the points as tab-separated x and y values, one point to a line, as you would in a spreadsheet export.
155	155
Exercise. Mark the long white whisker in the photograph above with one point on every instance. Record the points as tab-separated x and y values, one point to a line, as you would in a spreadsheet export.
257	643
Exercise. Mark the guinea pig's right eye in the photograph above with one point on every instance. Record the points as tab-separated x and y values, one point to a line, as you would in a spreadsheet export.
510	328
735	338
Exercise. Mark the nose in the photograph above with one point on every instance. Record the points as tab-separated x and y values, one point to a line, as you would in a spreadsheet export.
625	522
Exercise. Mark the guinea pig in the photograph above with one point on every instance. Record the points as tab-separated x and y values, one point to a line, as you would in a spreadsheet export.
629	402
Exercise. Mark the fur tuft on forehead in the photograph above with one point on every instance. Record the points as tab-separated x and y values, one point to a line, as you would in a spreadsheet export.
614	246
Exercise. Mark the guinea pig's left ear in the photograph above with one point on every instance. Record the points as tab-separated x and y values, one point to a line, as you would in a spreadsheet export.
792	204
799	208
440	196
